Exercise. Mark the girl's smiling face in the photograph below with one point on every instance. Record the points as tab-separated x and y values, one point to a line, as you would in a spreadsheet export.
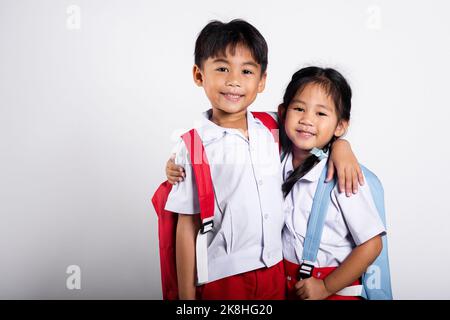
312	120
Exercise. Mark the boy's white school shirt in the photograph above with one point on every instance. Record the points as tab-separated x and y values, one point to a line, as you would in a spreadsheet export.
248	213
350	221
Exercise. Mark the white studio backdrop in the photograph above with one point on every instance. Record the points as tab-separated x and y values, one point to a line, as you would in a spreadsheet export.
94	93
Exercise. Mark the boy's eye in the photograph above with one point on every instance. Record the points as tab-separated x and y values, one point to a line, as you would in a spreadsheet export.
298	109
247	72
322	114
222	69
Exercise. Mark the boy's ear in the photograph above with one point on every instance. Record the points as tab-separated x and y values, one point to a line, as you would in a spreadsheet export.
341	128
198	76
262	83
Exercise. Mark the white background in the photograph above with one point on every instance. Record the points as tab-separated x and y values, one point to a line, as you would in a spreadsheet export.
90	107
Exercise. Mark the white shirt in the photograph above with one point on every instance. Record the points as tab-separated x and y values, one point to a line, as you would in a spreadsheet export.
248	216
350	221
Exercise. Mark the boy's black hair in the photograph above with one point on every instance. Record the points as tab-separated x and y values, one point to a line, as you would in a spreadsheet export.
216	37
340	92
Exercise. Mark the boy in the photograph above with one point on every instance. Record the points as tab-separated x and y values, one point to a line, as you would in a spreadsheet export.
244	254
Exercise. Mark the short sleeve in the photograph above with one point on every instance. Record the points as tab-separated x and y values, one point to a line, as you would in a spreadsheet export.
183	197
360	214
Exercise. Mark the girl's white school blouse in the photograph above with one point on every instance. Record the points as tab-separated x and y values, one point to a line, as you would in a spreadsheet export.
248	216
350	221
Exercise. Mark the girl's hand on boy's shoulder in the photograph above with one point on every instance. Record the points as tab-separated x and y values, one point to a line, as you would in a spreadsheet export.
311	289
348	171
174	173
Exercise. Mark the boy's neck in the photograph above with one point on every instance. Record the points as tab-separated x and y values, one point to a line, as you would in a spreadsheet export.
299	156
236	120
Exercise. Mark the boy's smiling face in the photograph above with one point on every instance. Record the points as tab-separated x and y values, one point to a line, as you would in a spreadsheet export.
231	82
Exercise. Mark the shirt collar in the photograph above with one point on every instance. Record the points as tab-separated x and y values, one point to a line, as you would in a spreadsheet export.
313	174
209	131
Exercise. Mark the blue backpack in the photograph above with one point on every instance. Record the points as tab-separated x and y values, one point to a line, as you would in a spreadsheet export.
376	280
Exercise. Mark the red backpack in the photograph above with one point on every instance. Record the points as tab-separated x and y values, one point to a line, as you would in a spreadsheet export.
167	220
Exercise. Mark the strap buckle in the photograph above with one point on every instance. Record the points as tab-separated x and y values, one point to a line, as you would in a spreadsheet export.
207	226
305	271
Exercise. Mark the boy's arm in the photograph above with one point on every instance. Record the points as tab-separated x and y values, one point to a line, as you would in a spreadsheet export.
350	270
187	229
347	168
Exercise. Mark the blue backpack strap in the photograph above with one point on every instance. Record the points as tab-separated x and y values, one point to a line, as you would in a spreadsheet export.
377	279
316	222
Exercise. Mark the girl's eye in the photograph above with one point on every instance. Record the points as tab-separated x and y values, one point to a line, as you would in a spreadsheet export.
322	114
222	69
299	109
247	72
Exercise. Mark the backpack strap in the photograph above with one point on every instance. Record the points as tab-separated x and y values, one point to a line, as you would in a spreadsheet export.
377	278
315	226
205	191
203	179
381	290
314	232
270	123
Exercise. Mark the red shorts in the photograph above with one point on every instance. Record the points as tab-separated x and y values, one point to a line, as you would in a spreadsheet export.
260	284
318	273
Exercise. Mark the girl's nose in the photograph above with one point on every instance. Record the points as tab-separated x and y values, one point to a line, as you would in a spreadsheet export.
305	120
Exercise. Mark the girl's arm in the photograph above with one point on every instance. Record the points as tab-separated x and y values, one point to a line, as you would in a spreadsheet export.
174	173
347	168
187	229
342	160
350	270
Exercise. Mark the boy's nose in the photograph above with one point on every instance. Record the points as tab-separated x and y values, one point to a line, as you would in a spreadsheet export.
233	80
233	84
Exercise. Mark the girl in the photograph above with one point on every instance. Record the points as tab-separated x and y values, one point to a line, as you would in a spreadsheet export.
314	113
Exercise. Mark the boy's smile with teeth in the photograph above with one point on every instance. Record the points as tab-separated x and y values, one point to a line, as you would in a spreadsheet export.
231	81
232	97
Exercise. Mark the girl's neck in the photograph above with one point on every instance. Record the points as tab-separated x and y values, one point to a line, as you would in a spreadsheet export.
231	120
299	156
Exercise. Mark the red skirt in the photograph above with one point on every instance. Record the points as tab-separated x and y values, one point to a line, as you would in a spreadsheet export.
292	270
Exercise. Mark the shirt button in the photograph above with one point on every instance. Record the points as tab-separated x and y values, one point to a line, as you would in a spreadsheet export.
268	256
260	182
266	216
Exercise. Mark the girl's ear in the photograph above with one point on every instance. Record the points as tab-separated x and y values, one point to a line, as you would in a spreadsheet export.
198	76
341	128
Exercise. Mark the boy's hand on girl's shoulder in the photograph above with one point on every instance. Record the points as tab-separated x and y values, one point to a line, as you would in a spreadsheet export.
344	163
311	289
174	173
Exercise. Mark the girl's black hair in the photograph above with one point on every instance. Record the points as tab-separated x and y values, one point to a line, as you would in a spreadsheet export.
336	87
216	37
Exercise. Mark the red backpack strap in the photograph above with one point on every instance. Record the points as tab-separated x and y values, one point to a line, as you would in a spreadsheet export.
270	123
203	178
